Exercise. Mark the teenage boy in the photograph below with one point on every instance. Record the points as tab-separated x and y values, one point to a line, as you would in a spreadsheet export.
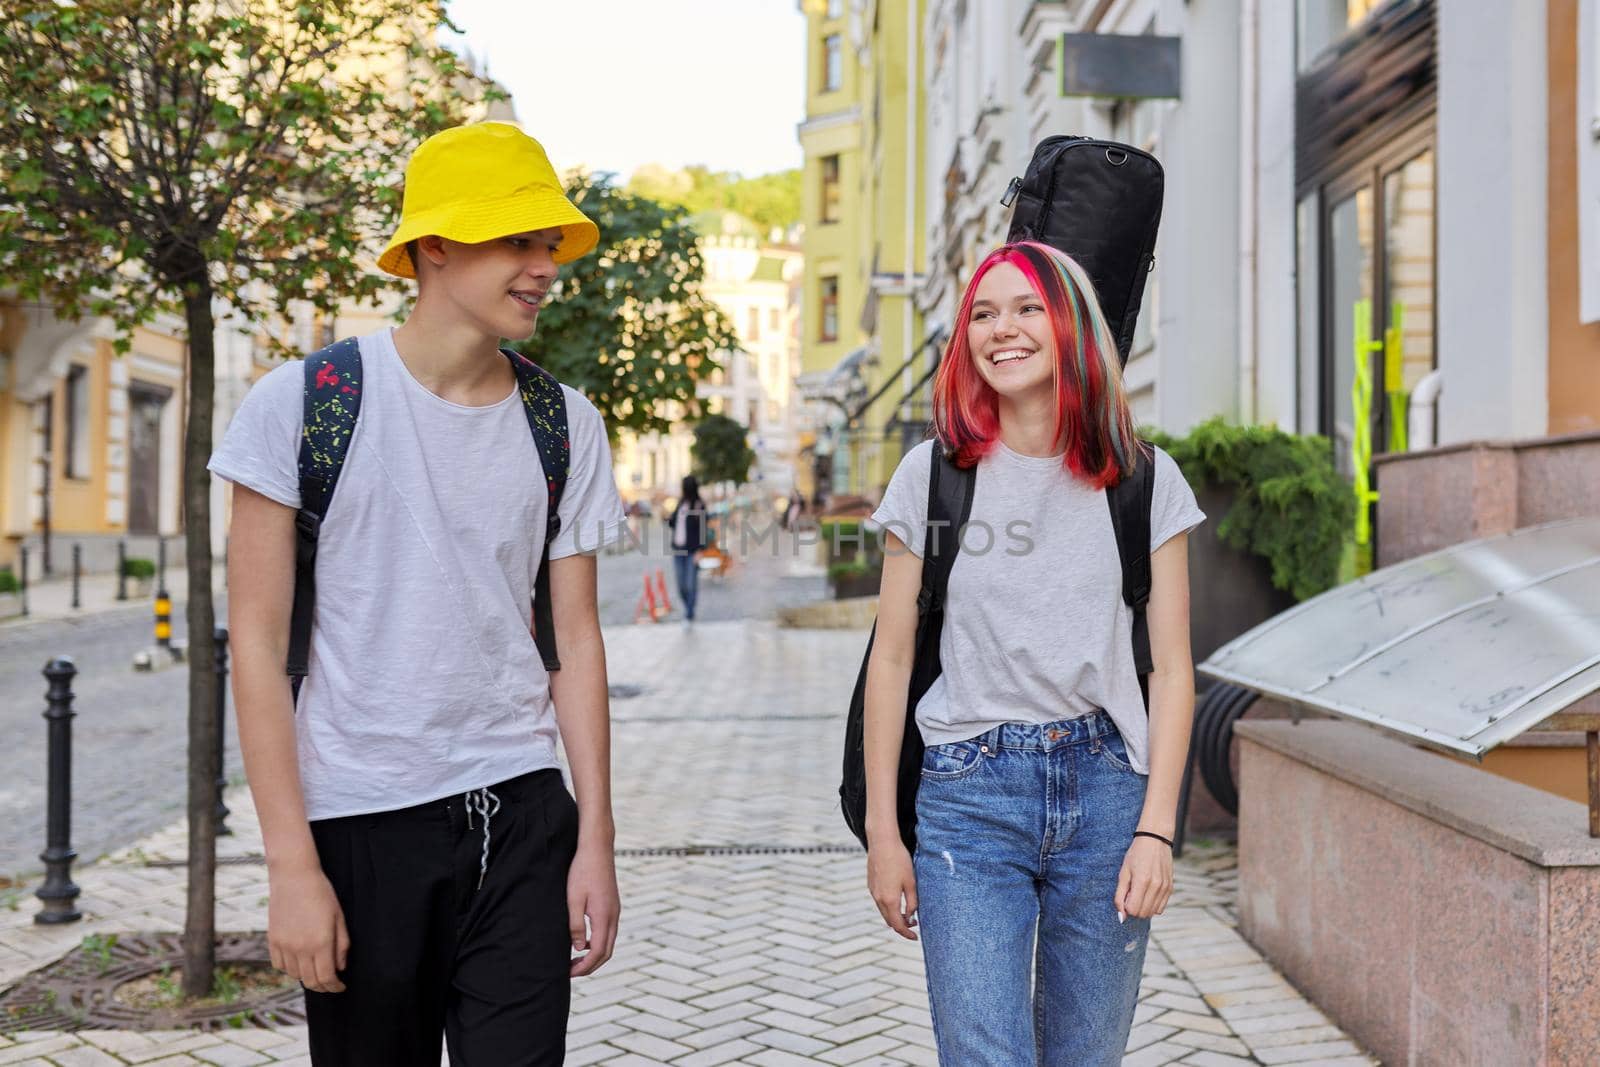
429	872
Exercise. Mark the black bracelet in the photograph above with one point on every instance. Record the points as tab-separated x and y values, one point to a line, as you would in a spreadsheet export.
1158	837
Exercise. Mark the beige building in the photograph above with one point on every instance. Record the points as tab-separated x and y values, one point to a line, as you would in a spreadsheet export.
90	442
754	278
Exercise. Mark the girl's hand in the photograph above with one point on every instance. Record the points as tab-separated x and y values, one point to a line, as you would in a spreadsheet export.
893	883
1145	884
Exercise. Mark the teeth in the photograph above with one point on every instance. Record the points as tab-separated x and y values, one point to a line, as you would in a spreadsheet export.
532	302
1009	357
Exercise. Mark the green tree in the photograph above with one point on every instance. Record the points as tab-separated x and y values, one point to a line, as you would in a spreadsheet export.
161	155
631	328
721	451
769	200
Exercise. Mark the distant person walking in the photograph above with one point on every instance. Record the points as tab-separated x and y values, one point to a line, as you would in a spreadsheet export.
687	524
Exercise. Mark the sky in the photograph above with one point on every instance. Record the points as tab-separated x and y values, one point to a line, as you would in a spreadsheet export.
613	84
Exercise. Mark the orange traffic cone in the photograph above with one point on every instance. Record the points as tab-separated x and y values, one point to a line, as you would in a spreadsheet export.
646	608
661	583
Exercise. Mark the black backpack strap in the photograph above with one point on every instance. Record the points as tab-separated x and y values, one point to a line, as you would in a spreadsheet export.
950	490
332	403
546	407
1130	502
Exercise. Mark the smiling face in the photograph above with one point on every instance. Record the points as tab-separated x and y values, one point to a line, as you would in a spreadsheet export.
500	285
1010	335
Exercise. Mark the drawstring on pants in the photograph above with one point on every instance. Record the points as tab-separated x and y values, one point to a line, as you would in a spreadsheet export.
486	804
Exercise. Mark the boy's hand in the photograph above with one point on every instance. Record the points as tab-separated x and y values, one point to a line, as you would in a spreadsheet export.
592	892
306	934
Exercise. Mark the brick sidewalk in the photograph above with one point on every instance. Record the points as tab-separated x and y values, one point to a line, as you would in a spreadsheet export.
748	936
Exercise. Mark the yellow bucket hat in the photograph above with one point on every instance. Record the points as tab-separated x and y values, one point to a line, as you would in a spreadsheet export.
478	182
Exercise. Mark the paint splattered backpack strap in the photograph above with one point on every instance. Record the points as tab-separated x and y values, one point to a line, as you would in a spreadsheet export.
332	403
546	407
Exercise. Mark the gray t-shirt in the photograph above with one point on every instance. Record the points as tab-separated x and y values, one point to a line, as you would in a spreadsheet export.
1035	627
424	680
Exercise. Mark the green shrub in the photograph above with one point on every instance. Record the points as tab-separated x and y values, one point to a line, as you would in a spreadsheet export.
8	581
138	567
848	568
840	529
1291	506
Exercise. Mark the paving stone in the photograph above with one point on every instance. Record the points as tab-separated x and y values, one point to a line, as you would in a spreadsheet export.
760	957
1161	1052
1214	1059
85	1056
1304	1053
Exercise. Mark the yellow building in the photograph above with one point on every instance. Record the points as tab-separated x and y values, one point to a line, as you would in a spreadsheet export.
90	442
863	347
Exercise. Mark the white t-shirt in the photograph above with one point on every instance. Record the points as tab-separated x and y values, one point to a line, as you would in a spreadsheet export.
423	676
1035	628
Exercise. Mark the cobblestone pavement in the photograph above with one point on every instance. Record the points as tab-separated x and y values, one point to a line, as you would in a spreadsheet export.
771	570
131	735
748	936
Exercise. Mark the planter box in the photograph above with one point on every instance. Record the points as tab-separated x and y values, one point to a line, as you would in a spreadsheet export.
857	585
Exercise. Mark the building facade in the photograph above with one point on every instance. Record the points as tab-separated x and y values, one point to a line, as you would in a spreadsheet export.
863	341
90	441
755	280
1340	247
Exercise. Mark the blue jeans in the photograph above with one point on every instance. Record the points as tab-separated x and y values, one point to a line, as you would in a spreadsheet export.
1021	834
688	572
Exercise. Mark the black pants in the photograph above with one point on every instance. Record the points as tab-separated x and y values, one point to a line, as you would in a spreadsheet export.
433	952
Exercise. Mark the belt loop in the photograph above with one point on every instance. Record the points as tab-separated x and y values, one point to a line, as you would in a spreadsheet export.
1094	732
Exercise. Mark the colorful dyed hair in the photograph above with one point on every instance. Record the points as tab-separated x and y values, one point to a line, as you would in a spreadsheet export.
1091	406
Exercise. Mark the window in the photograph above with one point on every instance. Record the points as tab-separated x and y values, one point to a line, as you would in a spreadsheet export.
77	436
832	62
774	320
1367	282
754	332
829	326
830	188
1324	23
835	9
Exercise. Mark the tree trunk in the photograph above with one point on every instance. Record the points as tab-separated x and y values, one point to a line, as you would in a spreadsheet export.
199	932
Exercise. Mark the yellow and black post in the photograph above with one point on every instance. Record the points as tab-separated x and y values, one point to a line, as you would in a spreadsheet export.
163	620
163	604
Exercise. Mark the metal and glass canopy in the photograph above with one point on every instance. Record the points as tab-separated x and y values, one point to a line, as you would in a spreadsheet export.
1461	650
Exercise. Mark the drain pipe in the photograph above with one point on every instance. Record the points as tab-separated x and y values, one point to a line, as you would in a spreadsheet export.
1420	419
1249	182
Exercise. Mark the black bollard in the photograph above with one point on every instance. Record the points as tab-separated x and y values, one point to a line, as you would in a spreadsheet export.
22	575
221	638
58	892
122	570
161	566
77	576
